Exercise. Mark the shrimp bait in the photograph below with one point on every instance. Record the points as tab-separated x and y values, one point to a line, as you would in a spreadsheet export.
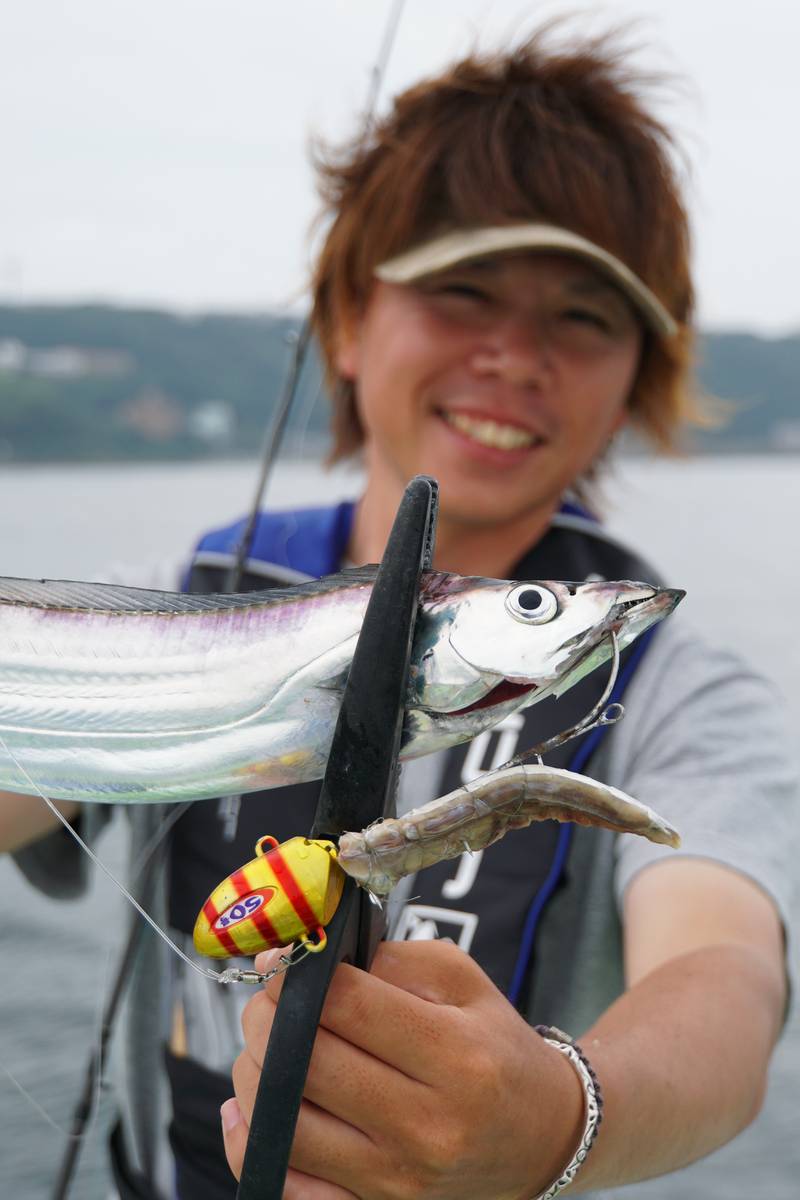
481	812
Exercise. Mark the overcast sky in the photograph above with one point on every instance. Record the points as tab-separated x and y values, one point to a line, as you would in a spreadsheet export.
155	151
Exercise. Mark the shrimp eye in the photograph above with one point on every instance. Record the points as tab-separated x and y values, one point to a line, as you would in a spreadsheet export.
531	604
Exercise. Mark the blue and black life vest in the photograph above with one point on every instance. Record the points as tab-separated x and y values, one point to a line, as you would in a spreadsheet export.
490	902
514	878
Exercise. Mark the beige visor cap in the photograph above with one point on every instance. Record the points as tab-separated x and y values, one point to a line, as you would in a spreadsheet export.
463	245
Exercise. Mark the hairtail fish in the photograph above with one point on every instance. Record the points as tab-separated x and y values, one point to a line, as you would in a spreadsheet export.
123	695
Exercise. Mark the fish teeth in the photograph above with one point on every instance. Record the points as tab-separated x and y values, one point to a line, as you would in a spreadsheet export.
490	433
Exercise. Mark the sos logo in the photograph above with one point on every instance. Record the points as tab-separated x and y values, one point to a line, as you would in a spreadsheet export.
243	909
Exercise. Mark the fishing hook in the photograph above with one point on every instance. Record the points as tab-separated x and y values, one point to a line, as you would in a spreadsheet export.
597	717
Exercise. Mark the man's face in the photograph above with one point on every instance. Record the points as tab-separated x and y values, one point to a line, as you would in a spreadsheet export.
503	378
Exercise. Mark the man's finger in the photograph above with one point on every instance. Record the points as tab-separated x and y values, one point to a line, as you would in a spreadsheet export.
342	1079
234	1134
436	970
298	1185
395	1013
403	1007
267	961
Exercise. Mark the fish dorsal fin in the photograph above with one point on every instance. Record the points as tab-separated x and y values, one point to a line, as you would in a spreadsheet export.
72	596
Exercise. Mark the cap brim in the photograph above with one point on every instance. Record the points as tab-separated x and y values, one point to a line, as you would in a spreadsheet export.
463	245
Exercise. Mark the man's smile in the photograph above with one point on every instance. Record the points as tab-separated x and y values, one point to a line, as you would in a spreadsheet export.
489	431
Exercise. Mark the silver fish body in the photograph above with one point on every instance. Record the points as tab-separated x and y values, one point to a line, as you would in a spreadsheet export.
121	695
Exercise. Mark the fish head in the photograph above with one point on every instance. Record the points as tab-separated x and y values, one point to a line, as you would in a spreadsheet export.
491	646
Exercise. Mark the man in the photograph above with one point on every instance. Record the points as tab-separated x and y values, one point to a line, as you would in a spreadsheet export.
503	286
470	332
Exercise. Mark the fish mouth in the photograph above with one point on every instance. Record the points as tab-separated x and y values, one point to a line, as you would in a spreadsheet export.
501	693
650	605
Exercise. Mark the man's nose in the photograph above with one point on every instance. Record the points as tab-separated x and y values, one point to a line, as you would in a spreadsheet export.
516	351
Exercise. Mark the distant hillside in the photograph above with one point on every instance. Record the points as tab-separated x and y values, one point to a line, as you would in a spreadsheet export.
760	377
99	382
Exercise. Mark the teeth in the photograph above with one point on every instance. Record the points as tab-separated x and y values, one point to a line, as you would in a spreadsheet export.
490	433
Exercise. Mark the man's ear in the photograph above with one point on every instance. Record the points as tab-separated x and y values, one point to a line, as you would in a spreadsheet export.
347	357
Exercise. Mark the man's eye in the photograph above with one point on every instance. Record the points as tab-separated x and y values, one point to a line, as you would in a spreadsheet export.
586	316
467	291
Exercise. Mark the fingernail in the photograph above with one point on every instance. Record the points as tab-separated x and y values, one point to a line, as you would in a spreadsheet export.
266	960
231	1114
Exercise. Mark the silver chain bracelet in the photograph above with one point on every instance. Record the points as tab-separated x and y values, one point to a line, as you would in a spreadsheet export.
593	1102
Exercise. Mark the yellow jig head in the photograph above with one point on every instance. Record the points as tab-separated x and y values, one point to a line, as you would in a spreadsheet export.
287	893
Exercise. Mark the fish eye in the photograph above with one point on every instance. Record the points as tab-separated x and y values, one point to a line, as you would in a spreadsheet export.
531	604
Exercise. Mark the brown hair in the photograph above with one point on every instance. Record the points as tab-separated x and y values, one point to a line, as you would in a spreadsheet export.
538	133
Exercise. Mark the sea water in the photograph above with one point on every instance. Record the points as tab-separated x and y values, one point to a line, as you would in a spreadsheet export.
725	529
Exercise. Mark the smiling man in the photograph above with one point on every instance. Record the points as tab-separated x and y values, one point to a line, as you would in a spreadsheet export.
503	286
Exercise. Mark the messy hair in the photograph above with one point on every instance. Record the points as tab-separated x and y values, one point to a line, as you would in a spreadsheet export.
539	133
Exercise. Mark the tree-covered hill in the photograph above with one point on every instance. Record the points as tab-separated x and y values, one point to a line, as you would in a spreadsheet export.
760	378
92	381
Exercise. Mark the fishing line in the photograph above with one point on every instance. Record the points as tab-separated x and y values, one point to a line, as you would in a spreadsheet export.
304	417
150	847
34	1103
88	1105
272	444
230	975
84	1119
83	1123
277	427
86	1109
97	1082
291	525
381	63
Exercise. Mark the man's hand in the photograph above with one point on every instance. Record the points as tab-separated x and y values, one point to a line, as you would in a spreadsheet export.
424	1081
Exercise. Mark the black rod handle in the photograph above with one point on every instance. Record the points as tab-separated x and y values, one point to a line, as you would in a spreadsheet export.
283	1075
359	787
